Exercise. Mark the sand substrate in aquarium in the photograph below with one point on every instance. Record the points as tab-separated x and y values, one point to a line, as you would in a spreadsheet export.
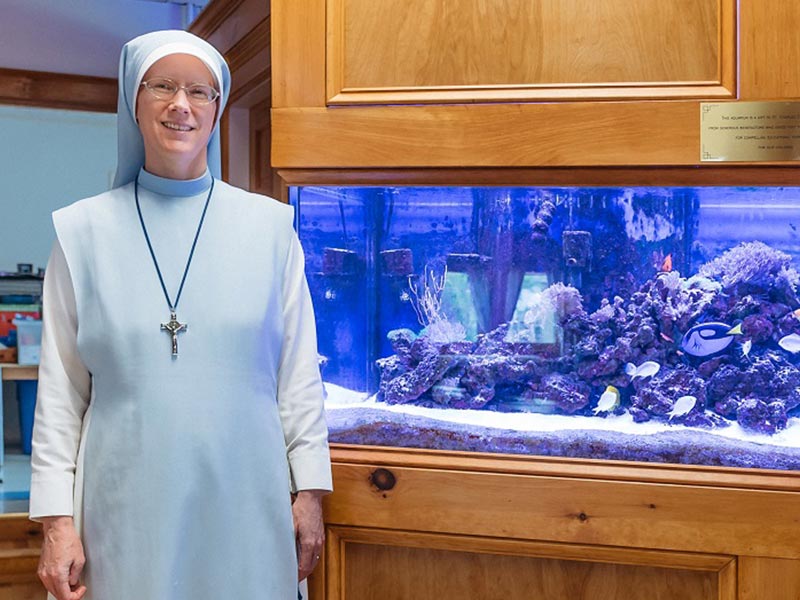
354	419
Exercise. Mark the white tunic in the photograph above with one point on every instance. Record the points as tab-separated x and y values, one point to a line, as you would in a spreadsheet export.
178	471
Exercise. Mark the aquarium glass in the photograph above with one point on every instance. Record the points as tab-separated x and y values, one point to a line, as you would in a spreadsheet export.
655	324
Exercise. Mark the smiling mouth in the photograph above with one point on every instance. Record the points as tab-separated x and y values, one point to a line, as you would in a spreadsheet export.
176	126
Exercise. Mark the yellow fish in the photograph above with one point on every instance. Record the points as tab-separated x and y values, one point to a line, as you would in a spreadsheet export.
609	400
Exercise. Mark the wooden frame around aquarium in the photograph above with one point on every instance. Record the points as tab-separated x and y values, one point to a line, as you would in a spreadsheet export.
736	526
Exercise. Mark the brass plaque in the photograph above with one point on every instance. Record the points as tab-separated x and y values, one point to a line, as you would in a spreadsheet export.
749	131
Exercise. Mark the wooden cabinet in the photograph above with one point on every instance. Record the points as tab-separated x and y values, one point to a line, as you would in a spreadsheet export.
20	544
535	92
435	525
549	83
472	51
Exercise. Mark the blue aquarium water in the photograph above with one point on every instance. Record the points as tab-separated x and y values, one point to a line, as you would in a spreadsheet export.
653	324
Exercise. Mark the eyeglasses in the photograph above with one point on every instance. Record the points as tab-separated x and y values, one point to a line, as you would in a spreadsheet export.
164	88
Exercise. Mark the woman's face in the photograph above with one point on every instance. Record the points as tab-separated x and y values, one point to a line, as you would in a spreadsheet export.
176	131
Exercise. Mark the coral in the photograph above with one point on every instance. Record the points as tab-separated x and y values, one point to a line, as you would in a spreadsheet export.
609	311
760	395
479	381
756	383
756	415
706	419
401	341
657	395
444	332
757	328
754	266
494	342
426	299
449	394
426	295
412	384
565	392
564	299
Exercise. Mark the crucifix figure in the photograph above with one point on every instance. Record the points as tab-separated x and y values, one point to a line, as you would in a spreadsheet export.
174	328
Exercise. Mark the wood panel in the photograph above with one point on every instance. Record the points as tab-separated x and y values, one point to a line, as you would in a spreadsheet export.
19	533
224	23
383	564
249	61
572	510
580	468
12	372
769	579
438	50
57	90
715	174
488	135
399	573
261	175
298	53
225	137
22	591
20	543
769	49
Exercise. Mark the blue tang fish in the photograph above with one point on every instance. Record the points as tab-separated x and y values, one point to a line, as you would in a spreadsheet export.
706	339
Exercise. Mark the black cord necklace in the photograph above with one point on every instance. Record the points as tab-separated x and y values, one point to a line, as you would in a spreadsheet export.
173	326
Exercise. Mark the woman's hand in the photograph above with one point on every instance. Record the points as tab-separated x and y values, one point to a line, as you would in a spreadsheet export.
62	559
309	530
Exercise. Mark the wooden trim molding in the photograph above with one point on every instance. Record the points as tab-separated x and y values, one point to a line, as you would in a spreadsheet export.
570	468
58	90
695	561
249	61
213	16
365	563
249	46
719	85
716	175
543	93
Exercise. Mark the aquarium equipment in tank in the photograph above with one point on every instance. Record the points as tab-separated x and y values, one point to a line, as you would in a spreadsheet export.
656	324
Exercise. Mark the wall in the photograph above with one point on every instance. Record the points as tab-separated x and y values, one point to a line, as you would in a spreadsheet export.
81	37
49	159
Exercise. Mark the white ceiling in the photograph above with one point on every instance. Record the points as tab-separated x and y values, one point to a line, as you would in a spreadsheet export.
82	37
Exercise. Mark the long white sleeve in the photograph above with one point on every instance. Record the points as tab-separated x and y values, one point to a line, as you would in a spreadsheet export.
63	397
300	396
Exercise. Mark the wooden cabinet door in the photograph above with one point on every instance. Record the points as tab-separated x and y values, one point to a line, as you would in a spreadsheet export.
517	83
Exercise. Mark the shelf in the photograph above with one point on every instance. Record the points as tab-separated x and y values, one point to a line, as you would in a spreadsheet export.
14	372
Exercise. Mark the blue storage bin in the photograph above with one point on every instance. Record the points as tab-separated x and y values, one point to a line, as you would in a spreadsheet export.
26	398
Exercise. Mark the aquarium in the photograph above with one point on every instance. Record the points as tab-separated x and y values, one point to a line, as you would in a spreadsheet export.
657	324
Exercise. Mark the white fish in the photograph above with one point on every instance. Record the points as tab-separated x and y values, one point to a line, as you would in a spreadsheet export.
746	347
682	406
790	343
609	400
646	369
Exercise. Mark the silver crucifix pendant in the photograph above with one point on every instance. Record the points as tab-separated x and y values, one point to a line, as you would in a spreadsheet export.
174	328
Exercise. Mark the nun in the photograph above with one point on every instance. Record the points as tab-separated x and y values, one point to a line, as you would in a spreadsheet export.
180	449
